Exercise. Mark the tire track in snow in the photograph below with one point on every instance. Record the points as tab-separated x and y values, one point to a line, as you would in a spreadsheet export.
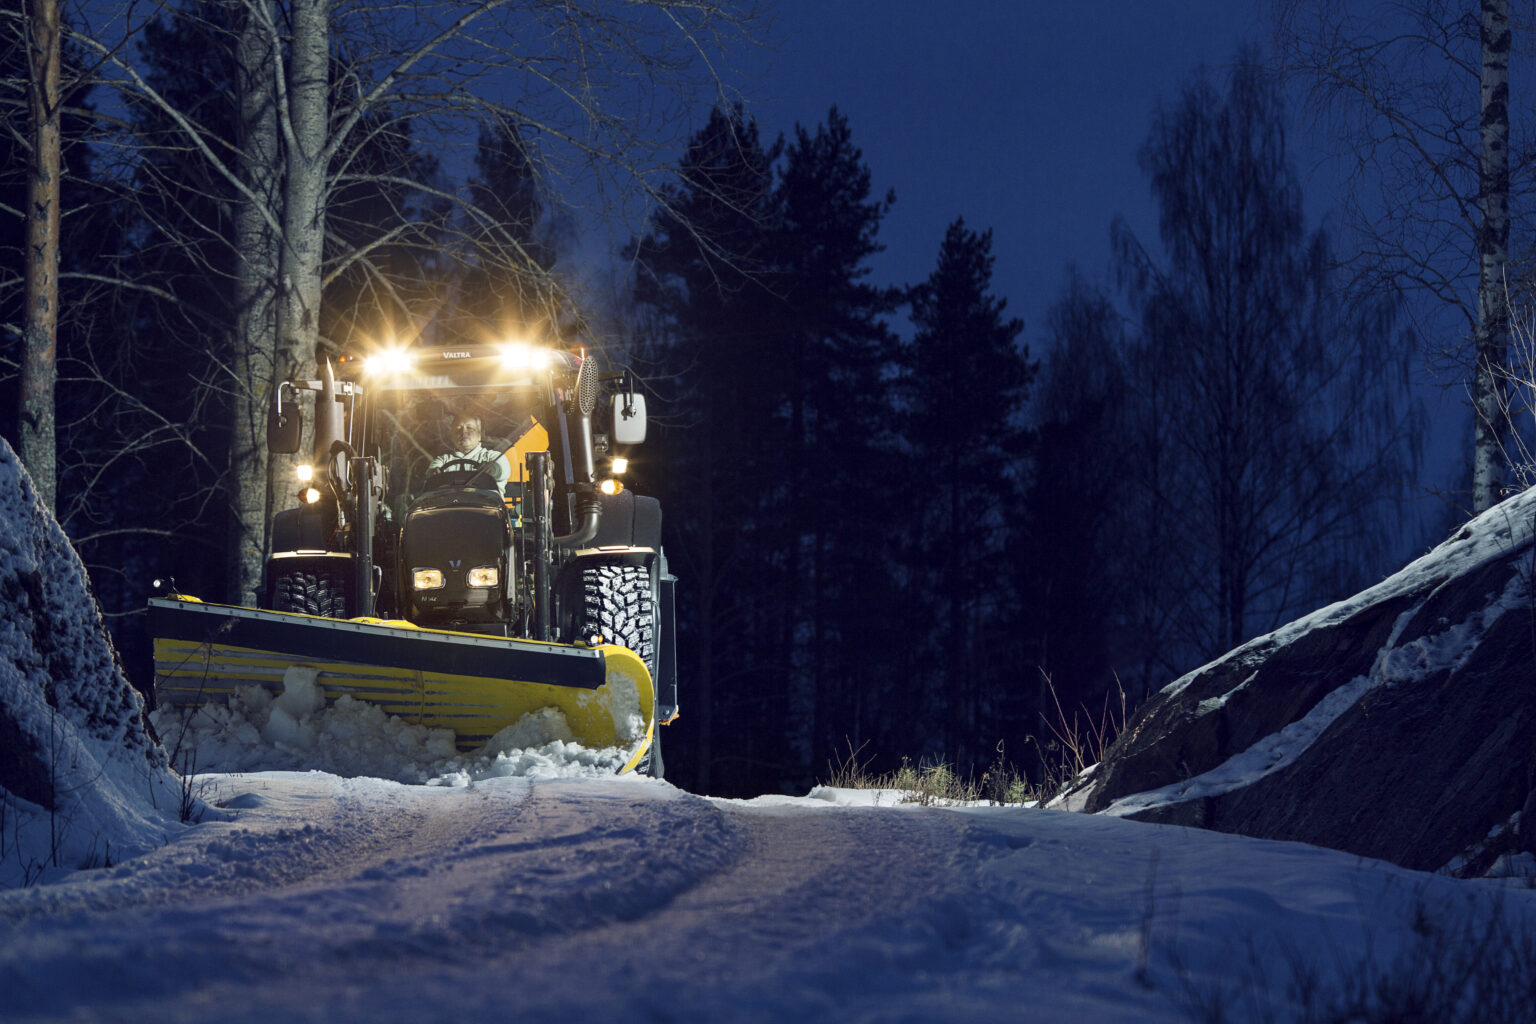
420	896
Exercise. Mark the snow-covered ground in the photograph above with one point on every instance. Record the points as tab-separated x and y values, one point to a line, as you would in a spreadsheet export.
309	896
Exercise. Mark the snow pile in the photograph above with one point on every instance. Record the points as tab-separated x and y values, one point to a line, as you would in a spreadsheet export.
81	782
619	698
297	731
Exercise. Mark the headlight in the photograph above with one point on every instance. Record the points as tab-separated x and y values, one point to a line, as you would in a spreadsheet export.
610	486
309	495
482	576
391	360
427	579
306	473
620	465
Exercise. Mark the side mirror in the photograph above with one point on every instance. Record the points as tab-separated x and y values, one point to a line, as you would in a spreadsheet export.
285	423
628	418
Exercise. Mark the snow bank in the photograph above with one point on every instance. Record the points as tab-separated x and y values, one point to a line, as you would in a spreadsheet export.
81	783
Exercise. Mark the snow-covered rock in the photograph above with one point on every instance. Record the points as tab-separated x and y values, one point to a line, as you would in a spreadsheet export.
1398	724
81	781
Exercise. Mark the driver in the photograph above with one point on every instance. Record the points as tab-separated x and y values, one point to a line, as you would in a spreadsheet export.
466	434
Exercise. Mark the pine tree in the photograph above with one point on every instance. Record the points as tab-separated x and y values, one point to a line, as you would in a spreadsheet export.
1065	549
509	281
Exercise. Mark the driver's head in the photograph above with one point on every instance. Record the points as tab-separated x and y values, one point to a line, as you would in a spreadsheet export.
465	431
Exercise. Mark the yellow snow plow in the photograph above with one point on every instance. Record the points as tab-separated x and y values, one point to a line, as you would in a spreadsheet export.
474	685
463	555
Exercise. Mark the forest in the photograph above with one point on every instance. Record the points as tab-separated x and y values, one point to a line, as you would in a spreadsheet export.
905	524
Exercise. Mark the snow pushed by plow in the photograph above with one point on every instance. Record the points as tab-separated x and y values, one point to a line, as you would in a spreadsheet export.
298	730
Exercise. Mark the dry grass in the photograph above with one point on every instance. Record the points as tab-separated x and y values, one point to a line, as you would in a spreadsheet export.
1072	744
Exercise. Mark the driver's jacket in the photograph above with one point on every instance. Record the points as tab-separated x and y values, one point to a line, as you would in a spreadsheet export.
479	453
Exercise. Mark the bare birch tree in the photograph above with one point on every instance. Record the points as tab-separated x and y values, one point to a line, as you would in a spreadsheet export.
1491	340
1418	96
1278	402
581	80
256	254
39	364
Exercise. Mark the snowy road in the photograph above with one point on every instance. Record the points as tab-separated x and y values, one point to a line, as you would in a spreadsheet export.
323	898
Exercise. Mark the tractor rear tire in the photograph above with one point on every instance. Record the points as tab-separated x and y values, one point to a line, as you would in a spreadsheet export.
311	592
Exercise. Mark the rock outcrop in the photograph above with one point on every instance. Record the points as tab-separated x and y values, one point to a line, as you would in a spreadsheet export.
1399	724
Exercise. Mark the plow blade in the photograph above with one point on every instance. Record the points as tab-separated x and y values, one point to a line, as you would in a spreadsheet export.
475	685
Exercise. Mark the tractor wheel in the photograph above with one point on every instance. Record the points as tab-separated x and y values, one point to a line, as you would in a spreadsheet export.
312	592
615	606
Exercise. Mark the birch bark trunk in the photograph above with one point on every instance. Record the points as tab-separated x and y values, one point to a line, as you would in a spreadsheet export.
254	348
1492	337
39	363
305	128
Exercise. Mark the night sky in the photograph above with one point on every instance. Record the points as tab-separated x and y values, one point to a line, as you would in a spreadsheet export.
1021	117
1024	118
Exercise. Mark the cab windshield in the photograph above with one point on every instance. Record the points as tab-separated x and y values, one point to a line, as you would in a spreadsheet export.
420	447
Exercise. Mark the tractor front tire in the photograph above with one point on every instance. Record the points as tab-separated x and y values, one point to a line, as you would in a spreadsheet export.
615	606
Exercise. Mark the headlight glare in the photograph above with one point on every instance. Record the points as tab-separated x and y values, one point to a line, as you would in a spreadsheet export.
521	357
390	360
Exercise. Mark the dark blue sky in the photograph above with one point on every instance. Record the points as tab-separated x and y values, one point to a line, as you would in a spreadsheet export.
1023	117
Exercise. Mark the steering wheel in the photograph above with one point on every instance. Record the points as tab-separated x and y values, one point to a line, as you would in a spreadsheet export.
459	473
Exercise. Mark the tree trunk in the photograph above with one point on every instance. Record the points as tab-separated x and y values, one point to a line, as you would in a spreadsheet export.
1492	338
304	121
704	683
298	318
39	362
255	340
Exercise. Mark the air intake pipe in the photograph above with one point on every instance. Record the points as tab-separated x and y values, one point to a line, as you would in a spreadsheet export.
589	513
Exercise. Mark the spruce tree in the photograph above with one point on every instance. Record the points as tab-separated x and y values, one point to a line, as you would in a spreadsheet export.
704	274
965	377
843	494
